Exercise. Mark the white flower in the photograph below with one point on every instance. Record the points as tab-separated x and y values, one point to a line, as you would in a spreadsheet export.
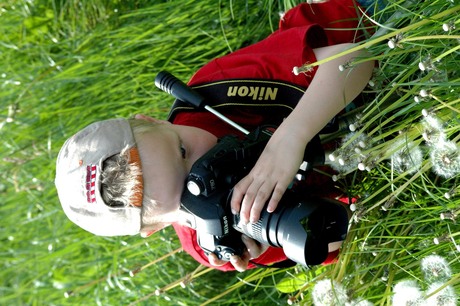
445	158
407	292
445	297
328	292
435	268
408	158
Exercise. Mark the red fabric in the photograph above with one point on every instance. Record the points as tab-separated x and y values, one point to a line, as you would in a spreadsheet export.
301	29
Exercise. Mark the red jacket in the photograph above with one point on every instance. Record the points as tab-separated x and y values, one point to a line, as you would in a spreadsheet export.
300	30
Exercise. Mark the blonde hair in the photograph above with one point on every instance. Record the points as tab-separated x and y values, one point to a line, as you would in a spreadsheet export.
119	177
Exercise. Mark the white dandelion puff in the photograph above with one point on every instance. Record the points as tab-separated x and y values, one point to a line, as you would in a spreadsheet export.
328	292
408	158
435	268
407	292
445	159
432	122
444	297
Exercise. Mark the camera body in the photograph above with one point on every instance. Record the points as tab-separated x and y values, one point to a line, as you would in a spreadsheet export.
301	225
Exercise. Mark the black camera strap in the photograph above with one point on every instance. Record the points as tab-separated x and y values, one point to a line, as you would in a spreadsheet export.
277	265
268	95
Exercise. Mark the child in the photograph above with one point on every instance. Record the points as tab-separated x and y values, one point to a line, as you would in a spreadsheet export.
124	177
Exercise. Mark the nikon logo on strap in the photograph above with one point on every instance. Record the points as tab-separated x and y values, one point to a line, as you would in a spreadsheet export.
268	95
261	93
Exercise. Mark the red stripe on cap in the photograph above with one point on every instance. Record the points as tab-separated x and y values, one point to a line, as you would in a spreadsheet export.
91	171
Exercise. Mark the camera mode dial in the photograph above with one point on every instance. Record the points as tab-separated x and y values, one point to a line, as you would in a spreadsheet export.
224	253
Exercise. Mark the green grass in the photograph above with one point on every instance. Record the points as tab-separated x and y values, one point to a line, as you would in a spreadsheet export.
66	64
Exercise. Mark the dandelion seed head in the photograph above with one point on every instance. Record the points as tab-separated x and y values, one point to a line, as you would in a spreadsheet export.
445	297
408	158
407	292
431	122
435	268
328	292
445	159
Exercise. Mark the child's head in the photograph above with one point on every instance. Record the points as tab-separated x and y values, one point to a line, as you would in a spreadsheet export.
121	177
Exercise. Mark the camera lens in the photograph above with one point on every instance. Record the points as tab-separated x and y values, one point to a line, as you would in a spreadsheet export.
303	228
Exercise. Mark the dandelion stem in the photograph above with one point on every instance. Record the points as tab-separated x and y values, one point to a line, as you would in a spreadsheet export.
387	36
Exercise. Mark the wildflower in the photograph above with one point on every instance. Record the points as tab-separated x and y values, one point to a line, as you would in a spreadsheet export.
431	121
445	297
435	268
445	159
407	292
328	292
408	158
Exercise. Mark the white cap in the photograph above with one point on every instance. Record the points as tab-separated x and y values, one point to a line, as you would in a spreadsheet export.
78	179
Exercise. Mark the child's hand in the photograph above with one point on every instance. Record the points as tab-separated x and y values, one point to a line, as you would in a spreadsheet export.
240	263
272	174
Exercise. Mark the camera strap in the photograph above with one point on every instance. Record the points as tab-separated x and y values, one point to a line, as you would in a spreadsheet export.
278	265
268	95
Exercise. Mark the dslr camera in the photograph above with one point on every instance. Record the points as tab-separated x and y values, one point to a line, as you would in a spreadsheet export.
303	226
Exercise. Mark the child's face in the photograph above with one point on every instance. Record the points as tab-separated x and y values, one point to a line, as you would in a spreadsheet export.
167	154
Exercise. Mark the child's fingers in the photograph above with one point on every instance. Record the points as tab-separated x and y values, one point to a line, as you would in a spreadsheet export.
213	260
239	192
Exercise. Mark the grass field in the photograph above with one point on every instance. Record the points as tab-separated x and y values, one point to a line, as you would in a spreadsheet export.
65	64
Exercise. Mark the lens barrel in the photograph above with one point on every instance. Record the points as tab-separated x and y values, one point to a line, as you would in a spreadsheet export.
303	228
